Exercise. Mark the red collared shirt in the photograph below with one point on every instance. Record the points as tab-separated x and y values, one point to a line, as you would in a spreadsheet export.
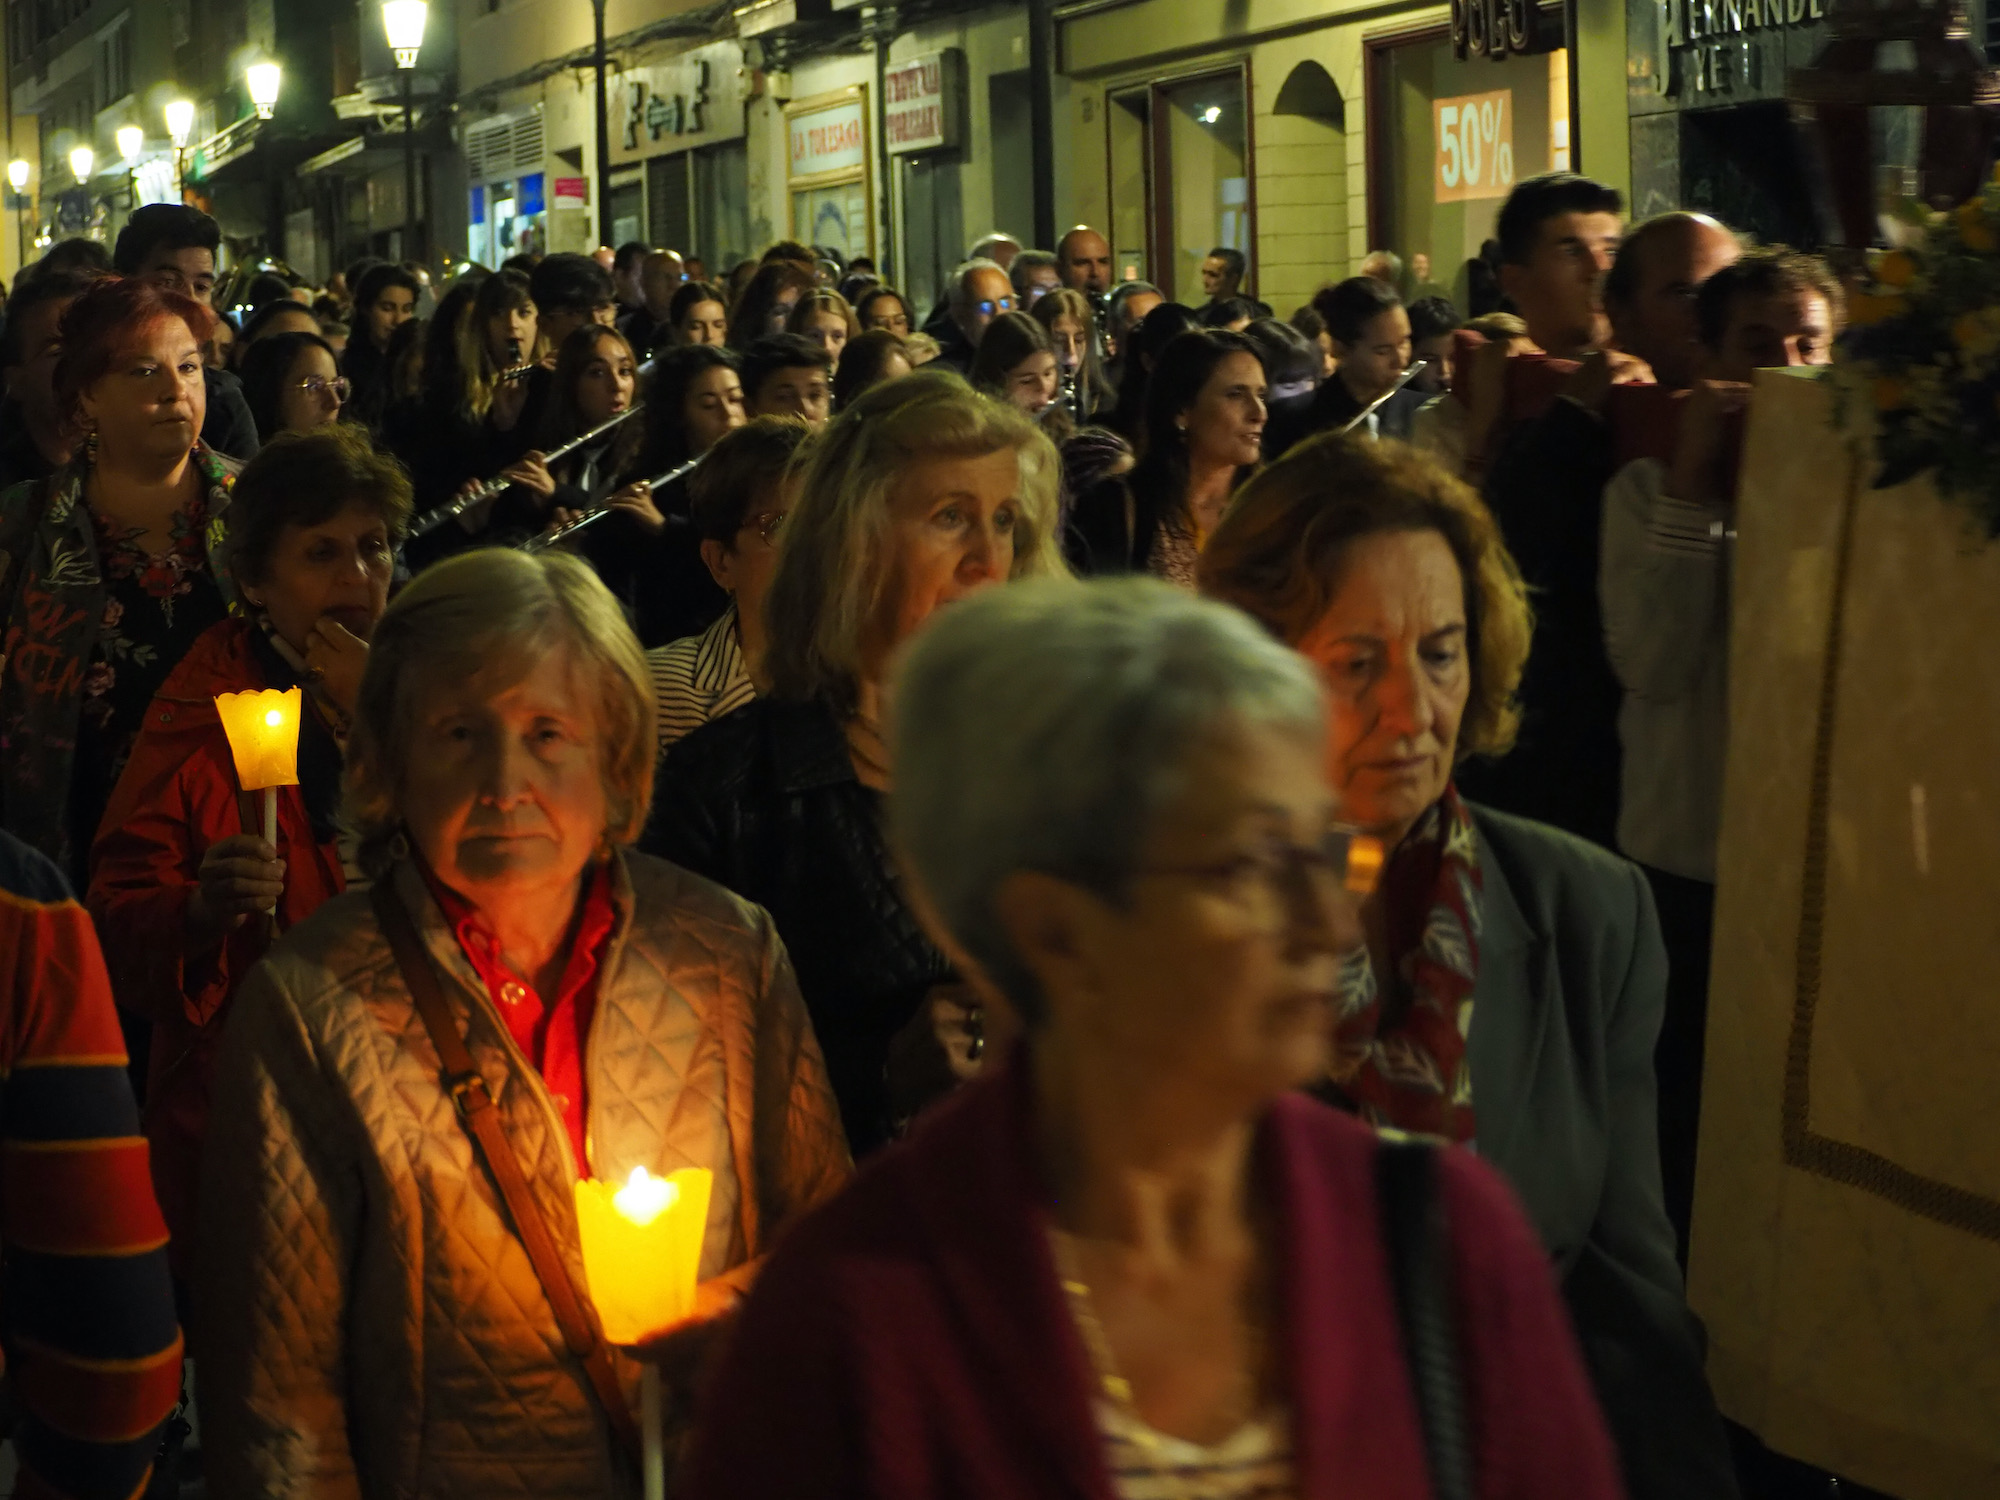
555	1037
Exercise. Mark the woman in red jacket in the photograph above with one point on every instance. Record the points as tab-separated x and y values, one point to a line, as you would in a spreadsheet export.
1135	1262
180	877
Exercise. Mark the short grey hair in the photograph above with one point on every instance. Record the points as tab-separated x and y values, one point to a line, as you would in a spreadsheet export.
961	280
1045	726
1027	261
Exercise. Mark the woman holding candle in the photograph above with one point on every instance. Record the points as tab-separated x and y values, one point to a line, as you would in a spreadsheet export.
108	572
182	873
1133	1261
367	1312
918	495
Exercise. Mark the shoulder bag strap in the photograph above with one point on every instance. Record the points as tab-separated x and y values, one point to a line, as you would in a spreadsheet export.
1419	1245
462	1080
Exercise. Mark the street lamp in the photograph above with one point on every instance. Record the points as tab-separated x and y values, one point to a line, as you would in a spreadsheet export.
18	173
264	79
180	125
131	141
403	23
82	162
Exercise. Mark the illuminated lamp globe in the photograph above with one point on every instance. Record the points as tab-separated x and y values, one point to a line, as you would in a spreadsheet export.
264	80
82	162
403	23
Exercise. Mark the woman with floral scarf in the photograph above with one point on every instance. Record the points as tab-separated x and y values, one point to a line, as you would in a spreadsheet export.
108	568
1511	991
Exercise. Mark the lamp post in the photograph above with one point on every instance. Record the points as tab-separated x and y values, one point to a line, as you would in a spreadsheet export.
264	80
131	141
403	23
17	178
605	235
82	162
180	125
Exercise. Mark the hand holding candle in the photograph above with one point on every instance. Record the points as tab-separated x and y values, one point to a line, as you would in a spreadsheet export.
263	732
641	1258
642	1249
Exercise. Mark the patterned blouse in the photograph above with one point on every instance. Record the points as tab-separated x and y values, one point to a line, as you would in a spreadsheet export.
155	605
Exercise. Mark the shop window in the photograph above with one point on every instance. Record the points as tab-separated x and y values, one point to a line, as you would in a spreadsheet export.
934	237
1180	179
1449	138
721	230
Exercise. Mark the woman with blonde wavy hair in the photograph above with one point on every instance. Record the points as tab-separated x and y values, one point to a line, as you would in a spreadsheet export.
1515	976
824	317
919	494
416	1077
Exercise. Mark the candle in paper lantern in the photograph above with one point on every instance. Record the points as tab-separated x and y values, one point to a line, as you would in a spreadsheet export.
263	730
642	1248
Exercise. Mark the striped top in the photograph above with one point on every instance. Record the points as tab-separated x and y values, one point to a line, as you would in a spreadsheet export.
700	678
1253	1463
90	1308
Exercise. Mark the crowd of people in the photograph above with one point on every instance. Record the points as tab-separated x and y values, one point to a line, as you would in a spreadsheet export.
1162	856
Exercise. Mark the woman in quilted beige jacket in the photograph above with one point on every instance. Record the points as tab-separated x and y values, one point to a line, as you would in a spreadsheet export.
367	1320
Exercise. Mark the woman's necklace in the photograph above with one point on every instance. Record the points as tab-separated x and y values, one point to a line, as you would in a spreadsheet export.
1117	1389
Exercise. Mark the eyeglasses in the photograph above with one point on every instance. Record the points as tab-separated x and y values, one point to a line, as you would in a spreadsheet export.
766	524
1268	880
995	307
338	388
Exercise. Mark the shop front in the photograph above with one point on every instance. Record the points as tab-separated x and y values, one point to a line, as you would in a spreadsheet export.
508	193
679	166
1452	131
830	172
1710	128
1306	135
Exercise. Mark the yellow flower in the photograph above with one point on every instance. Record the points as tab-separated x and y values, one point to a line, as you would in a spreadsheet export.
1888	394
1973	230
1864	309
1896	269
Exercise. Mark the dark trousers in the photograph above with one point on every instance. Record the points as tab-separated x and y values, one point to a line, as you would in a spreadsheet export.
1687	923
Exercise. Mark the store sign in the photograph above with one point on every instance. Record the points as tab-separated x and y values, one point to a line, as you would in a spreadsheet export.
834	139
678	112
572	192
1493	28
695	99
1475	146
920	103
1703	53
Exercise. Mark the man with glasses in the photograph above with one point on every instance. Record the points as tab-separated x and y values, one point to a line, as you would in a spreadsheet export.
980	292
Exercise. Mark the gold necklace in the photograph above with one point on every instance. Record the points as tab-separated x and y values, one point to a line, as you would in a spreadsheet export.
1116	1388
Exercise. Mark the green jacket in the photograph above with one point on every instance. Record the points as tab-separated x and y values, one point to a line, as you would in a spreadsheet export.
1566	1012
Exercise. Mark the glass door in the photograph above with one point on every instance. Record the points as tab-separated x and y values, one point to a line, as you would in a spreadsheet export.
1180	179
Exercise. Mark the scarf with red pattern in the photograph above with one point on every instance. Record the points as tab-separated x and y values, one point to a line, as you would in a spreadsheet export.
1401	1063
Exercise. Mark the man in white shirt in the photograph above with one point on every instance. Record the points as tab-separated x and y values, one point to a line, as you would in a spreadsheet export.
1663	584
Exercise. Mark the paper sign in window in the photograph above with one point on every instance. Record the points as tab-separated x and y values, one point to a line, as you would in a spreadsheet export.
1475	146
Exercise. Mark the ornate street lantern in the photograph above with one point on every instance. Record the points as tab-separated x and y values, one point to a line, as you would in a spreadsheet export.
1898	95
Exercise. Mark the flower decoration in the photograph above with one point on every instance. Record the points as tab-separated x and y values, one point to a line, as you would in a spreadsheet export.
1918	366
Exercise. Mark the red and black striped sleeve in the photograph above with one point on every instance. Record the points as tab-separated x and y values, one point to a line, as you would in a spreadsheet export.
90	1310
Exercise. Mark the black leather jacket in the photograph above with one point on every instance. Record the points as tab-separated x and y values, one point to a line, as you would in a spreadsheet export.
765	801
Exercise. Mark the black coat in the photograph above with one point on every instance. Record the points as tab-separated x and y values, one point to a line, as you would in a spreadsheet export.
228	428
1547	492
765	801
1334	407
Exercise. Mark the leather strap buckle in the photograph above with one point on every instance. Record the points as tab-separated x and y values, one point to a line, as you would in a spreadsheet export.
463	1087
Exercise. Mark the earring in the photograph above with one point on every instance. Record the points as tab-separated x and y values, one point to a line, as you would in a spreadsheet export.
90	446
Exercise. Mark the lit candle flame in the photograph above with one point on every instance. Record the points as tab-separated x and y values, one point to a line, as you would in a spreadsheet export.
645	1197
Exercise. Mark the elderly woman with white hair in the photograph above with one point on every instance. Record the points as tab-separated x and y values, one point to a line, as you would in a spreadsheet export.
1134	1261
918	495
391	1299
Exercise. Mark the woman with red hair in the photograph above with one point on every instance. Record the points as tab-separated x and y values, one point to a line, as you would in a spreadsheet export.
108	568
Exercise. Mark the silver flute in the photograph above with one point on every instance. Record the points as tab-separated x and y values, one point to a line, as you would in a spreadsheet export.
462	502
1360	417
590	517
